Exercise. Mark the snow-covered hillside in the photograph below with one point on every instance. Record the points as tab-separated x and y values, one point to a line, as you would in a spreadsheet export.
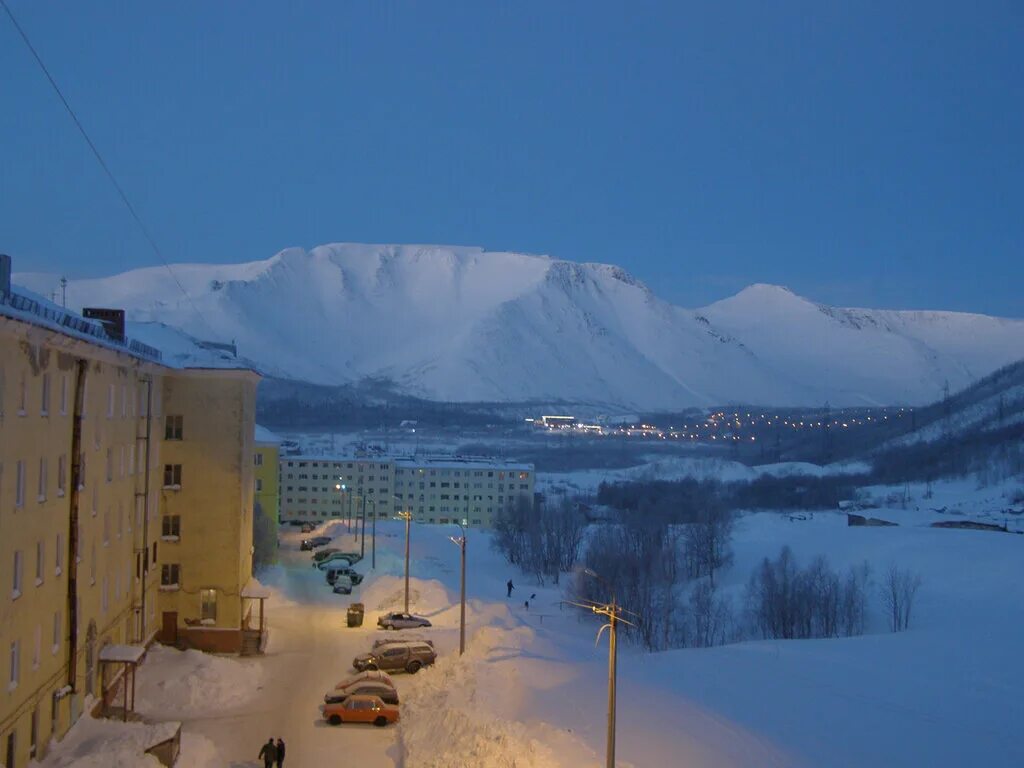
463	324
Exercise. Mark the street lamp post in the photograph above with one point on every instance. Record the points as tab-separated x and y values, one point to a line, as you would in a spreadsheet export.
407	516
341	488
461	542
362	542
373	543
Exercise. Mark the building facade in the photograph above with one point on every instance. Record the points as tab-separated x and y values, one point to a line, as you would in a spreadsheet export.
436	489
267	469
84	460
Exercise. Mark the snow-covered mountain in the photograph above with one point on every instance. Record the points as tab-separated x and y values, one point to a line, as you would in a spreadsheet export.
464	324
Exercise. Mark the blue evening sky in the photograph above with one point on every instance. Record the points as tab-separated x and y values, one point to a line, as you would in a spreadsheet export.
862	153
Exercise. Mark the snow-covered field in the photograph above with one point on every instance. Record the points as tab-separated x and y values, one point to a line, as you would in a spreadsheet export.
530	691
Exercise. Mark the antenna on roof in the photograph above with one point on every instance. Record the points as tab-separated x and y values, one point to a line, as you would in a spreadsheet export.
64	291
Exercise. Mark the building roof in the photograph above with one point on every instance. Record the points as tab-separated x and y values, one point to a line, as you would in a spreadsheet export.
128	654
415	462
265	437
35	310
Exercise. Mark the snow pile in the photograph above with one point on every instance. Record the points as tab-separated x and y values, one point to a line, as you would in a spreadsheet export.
463	712
99	743
190	683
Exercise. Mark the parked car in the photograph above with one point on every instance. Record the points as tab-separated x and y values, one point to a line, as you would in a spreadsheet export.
361	709
408	657
323	554
399	620
338	569
335	558
386	693
342	585
316	541
374	675
403	638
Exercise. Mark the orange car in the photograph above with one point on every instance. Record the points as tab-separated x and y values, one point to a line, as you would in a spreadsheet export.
360	708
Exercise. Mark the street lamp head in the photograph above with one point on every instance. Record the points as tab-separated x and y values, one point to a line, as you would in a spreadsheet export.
337	487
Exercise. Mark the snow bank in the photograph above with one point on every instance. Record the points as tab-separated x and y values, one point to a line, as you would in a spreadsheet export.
94	743
190	683
461	713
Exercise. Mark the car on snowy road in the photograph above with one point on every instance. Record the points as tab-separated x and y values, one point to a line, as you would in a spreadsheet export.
397	657
313	543
342	585
386	693
342	568
403	638
374	675
399	620
361	709
337	558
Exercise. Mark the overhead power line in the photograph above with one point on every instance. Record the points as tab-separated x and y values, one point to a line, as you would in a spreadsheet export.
103	164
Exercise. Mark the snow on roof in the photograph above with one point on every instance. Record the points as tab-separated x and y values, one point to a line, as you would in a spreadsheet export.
264	435
255	590
130	654
425	462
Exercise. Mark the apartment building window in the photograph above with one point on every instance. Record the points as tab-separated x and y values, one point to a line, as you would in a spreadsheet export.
64	395
16	583
259	485
110	464
120	462
22	395
120	520
92	563
106	527
40	558
124	401
58	558
37	647
208	598
172	475
131	459
42	479
44	404
258	459
170	575
62	473
173	427
56	632
171	527
110	401
15	669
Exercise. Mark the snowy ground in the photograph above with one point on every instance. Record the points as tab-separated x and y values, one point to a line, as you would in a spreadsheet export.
530	691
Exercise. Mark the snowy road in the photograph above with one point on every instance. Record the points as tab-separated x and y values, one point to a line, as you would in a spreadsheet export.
310	649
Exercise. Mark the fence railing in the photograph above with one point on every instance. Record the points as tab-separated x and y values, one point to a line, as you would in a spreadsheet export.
76	323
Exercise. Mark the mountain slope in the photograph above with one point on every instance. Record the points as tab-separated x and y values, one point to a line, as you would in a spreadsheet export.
462	324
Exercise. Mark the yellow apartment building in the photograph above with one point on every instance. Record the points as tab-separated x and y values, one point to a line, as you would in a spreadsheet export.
84	460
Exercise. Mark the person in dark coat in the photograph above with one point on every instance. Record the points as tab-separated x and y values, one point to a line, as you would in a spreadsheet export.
280	752
510	588
269	753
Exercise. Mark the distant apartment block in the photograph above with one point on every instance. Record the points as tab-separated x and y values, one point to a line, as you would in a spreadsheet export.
436	489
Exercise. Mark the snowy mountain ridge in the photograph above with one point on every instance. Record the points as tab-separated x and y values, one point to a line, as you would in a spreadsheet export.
463	324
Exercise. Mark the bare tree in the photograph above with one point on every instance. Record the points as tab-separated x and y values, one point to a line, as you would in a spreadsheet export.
710	616
898	592
708	543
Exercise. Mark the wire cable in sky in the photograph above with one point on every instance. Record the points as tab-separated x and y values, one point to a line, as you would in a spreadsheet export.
103	164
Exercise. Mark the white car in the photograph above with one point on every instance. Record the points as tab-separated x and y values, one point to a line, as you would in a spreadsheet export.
371	674
398	620
343	585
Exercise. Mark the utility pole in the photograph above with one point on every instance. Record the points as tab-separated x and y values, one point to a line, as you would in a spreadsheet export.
64	292
407	516
460	541
362	541
373	544
614	613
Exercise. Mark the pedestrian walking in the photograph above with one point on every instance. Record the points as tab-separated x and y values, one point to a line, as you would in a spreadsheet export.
280	752
526	604
510	588
269	753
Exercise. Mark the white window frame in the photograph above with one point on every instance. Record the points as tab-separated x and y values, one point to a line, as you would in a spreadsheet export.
44	395
16	583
